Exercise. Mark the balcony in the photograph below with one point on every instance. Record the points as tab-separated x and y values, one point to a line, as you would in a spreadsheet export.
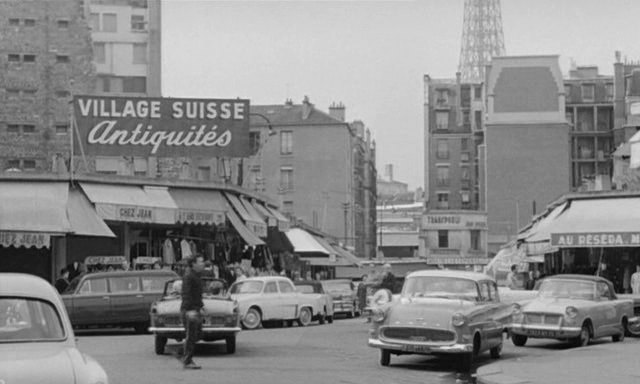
444	252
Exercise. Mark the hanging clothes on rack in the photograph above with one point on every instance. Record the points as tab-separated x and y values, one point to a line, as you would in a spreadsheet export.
185	247
168	254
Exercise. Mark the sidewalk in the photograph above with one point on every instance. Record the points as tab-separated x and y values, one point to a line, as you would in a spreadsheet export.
602	363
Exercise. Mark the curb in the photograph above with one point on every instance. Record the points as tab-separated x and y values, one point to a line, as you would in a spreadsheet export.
493	374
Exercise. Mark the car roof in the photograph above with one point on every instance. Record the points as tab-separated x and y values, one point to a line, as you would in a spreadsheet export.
265	278
143	272
307	282
337	281
451	273
26	285
577	277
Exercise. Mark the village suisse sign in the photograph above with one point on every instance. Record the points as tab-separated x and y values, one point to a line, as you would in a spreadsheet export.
143	126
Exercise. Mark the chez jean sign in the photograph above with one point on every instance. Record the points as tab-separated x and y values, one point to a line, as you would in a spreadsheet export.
146	126
600	239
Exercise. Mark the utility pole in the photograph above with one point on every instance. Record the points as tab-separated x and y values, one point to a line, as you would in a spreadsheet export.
345	208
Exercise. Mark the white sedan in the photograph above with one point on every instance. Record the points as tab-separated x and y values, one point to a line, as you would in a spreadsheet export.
274	298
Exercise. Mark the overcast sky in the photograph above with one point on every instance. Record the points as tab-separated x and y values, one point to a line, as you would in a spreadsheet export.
370	55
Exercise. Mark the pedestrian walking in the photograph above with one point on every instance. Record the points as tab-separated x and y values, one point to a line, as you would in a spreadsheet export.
63	281
191	309
635	280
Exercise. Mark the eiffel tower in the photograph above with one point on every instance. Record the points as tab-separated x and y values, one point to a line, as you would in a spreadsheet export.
482	38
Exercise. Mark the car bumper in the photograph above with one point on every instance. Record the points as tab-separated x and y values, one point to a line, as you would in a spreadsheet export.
425	349
544	331
173	330
343	306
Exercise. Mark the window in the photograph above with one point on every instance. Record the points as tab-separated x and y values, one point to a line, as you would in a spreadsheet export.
28	128
464	157
94	21
477	92
442	120
138	23
271	288
442	97
286	142
62	129
477	117
29	58
464	144
443	176
14	22
466	117
475	239
464	173
109	22
443	239
204	173
13	58
29	93
588	92
254	142
13	128
442	149
286	287
62	59
140	53
567	92
443	200
13	164
12	93
154	284
100	53
63	24
287	208
29	165
464	196
124	284
286	178
134	84
609	89
93	286
29	22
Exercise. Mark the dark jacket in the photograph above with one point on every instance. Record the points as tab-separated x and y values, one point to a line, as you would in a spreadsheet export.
61	284
191	292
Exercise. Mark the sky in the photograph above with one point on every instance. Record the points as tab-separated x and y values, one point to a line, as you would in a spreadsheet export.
369	55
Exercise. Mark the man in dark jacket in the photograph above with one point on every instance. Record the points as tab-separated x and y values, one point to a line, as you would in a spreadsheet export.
191	309
63	281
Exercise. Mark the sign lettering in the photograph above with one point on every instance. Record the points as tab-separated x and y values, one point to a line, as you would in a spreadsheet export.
25	239
144	214
601	239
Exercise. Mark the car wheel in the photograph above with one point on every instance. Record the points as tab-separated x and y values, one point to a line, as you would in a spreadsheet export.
350	314
633	329
253	319
231	344
160	343
620	337
385	357
321	317
584	338
356	313
519	340
140	328
495	351
305	317
330	319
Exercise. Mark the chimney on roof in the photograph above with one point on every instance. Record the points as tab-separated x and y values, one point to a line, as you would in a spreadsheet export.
288	103
337	111
307	107
388	171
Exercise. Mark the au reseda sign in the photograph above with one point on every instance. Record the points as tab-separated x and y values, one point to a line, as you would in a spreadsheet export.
113	126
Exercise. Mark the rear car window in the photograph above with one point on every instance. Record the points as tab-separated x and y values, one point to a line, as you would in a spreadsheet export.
93	286
124	284
29	320
285	287
154	283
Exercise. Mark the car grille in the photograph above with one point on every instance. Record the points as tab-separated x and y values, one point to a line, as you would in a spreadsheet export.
214	320
172	320
542	318
418	334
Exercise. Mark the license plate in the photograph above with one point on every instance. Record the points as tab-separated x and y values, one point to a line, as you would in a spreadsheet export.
417	348
541	333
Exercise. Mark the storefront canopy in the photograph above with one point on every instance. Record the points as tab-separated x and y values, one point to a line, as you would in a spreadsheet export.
132	203
250	217
247	235
83	217
399	239
271	220
34	207
600	222
278	241
304	242
199	206
283	222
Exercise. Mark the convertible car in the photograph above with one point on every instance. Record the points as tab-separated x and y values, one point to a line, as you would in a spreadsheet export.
576	308
274	298
37	344
221	316
441	312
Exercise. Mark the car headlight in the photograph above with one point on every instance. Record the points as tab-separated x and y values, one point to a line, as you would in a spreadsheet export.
517	309
458	320
571	312
378	315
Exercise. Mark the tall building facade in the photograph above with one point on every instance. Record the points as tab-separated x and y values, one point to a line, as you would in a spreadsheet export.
320	169
454	224
47	57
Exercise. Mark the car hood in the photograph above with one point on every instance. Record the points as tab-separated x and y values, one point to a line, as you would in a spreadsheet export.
36	363
554	305
210	306
434	312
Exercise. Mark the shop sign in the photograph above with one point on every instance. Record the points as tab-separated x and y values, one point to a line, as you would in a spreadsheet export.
168	127
25	239
457	260
200	217
136	214
461	221
147	260
105	260
599	239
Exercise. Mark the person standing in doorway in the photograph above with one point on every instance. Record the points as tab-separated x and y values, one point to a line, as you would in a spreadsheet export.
191	309
635	281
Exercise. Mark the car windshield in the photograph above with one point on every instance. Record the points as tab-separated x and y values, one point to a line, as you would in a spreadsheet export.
306	288
246	287
210	288
334	286
29	320
573	289
443	287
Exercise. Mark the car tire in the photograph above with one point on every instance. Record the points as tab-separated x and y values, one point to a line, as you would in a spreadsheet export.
519	340
350	314
620	337
585	336
322	317
496	351
356	313
159	343
305	317
330	319
231	344
252	319
633	330
385	357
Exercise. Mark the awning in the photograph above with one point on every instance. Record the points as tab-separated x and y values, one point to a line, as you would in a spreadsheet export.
598	223
399	239
539	232
199	206
271	220
27	206
132	203
83	217
325	244
278	241
304	242
346	256
283	222
247	235
252	220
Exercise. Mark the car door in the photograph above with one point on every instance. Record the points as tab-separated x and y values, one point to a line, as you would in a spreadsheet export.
290	299
272	308
605	314
91	303
493	315
152	288
127	300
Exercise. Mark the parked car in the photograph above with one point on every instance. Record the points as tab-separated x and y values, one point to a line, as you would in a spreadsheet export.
344	295
121	298
576	308
38	344
316	287
221	315
441	312
274	298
